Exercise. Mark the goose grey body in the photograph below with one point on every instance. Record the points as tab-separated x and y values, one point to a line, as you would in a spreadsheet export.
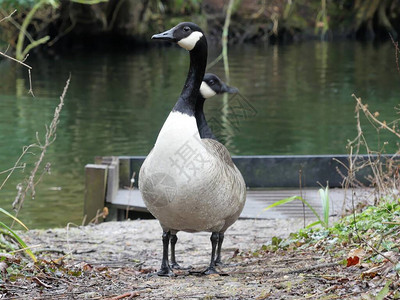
188	183
199	196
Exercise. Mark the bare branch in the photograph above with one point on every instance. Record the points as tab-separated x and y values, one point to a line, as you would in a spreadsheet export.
368	114
16	60
30	83
396	45
24	151
49	139
9	16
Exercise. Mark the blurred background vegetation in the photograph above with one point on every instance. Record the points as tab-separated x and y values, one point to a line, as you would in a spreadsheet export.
54	24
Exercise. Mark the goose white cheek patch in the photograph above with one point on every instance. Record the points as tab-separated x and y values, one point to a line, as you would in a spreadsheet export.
190	41
206	91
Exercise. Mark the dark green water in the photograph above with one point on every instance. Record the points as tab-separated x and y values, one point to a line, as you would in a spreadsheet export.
299	95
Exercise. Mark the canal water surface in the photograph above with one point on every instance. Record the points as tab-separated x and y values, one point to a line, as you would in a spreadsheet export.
294	99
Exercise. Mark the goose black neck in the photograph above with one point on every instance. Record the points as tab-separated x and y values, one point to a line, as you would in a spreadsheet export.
198	60
204	130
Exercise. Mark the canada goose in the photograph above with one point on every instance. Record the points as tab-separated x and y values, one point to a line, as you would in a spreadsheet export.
210	86
187	183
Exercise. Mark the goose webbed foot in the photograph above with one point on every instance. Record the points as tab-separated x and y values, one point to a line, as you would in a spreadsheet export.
214	241
210	270
176	266
166	271
218	262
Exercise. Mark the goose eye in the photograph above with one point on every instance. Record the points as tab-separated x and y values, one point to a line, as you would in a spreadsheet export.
212	82
186	28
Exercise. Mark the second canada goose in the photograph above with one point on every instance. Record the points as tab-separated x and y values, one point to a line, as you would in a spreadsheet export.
187	183
210	86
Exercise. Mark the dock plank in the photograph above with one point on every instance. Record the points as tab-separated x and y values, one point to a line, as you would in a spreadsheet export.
258	199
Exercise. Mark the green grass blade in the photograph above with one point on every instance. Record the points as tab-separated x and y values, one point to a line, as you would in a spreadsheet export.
20	241
283	201
290	199
384	291
12	217
313	224
324	196
311	208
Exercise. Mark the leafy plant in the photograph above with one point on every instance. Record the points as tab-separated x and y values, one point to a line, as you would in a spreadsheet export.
379	225
15	235
20	52
324	196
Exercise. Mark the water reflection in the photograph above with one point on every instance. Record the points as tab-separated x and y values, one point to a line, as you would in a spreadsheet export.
117	102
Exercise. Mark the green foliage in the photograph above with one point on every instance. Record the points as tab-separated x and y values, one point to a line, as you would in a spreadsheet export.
15	235
177	7
32	7
379	225
381	218
321	22
385	290
3	211
17	4
20	52
324	195
89	2
20	241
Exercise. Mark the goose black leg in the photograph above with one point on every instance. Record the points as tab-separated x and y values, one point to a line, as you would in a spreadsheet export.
214	241
220	241
174	264
165	268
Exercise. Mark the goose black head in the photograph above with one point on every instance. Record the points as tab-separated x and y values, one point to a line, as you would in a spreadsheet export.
185	34
212	85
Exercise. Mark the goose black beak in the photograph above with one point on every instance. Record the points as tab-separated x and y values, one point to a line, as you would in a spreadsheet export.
165	36
229	89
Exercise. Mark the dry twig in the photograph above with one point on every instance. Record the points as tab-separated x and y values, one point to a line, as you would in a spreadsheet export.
9	16
16	60
128	295
385	181
50	137
370	116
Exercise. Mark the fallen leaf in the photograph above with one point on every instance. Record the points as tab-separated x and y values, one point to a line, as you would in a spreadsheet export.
352	261
128	295
235	253
105	212
371	273
39	282
355	257
87	268
147	270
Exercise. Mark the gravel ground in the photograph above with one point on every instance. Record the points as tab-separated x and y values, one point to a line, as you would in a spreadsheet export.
118	260
139	241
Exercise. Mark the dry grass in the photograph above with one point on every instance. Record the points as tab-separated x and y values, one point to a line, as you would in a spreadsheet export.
384	168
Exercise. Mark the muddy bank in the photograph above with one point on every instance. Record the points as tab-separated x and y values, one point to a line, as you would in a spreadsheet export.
118	260
139	242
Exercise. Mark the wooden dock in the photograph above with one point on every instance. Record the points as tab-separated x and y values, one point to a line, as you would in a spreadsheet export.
258	199
112	182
